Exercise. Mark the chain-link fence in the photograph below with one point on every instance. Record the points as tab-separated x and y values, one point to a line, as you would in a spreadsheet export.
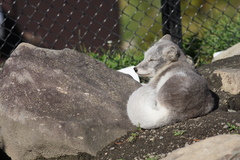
118	29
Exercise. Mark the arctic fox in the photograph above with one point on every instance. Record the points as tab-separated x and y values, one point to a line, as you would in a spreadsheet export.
175	91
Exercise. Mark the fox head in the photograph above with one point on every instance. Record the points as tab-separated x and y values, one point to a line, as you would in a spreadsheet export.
160	54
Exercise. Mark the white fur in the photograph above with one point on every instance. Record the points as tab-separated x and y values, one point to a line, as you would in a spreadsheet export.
163	80
143	108
150	114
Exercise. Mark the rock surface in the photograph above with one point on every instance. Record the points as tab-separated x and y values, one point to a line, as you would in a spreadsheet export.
232	51
55	103
230	80
215	148
223	77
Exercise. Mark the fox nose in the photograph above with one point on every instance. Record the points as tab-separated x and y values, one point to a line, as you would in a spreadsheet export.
135	69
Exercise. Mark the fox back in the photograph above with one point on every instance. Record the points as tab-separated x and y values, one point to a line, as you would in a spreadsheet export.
175	91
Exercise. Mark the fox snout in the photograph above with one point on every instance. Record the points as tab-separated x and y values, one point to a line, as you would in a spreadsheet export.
144	72
135	69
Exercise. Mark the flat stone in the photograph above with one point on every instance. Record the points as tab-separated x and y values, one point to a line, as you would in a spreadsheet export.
232	51
215	148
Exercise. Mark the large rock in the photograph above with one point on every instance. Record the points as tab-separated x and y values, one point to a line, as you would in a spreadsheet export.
215	148
55	103
223	77
232	51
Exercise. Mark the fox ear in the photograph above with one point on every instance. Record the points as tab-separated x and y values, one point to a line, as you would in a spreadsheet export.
166	37
170	53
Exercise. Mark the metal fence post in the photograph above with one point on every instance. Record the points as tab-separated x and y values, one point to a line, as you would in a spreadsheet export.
171	19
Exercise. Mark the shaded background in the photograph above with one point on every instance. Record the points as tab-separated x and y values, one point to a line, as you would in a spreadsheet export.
122	25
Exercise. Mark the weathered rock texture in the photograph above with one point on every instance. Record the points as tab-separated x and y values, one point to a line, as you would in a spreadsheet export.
232	51
230	80
223	77
55	103
215	148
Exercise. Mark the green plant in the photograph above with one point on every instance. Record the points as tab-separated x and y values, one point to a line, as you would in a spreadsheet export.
178	132
139	127
219	37
232	127
140	21
153	158
199	47
117	59
191	45
133	137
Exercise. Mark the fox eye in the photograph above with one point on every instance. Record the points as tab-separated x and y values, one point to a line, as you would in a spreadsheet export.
152	60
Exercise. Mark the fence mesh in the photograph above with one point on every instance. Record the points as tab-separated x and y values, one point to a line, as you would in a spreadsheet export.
118	31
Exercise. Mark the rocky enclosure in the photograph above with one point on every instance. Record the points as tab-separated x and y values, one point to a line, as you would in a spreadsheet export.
64	105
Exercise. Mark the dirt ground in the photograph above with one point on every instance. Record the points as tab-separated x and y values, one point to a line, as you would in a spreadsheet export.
156	143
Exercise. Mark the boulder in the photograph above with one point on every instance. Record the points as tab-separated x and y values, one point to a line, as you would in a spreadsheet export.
223	77
230	79
215	148
232	51
60	102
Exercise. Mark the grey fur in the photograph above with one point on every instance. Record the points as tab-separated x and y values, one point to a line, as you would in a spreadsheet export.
178	92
